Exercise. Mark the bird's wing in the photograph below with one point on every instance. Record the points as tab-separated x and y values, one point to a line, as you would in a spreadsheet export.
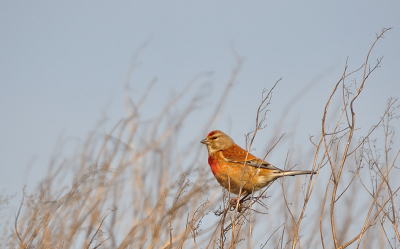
236	154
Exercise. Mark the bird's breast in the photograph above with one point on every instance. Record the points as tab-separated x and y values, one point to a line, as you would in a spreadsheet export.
213	162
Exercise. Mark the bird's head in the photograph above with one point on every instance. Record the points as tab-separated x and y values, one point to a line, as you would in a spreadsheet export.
217	140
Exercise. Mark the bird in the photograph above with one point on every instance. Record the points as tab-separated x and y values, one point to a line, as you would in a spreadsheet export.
227	160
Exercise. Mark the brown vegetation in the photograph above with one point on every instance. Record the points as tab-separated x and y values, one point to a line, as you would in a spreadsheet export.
136	188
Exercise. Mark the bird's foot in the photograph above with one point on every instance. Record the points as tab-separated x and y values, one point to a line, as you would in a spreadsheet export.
233	202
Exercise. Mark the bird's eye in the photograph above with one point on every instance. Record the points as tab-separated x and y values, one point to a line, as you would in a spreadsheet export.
214	138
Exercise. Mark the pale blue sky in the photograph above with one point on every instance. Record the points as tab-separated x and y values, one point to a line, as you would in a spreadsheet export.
63	64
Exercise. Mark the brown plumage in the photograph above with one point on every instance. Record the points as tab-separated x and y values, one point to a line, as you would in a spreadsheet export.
226	160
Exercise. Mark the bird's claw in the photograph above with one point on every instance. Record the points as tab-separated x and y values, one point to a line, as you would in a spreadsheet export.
233	202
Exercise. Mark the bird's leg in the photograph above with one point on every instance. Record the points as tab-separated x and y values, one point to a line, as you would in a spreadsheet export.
244	198
233	201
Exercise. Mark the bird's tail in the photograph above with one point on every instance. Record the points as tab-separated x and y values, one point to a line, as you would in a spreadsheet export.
297	172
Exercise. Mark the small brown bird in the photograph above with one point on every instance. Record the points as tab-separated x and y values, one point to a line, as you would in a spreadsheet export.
226	160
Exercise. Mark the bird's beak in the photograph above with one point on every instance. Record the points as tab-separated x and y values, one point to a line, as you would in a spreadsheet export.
205	141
